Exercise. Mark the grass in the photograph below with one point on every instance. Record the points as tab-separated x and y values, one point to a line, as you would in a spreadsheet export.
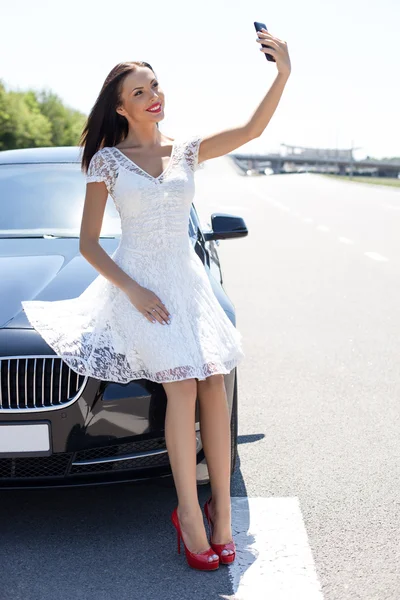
373	180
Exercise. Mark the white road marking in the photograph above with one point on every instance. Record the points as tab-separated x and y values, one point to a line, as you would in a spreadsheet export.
272	201
376	256
277	203
274	559
373	255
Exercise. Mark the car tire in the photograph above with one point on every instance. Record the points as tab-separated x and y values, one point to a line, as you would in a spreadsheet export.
234	426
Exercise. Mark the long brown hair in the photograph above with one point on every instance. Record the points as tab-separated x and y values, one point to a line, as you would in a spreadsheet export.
104	126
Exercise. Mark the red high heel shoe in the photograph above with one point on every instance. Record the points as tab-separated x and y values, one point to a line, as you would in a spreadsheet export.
196	560
224	559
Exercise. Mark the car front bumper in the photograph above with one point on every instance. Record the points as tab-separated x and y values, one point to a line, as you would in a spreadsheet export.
111	433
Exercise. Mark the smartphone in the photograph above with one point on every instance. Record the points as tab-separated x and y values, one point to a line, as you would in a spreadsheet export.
258	27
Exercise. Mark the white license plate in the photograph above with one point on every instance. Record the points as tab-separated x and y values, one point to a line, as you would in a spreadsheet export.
24	438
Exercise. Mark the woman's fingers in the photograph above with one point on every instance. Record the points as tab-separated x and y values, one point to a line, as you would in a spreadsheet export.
154	316
163	311
265	35
272	45
265	32
269	41
158	313
276	48
268	51
268	36
269	45
149	316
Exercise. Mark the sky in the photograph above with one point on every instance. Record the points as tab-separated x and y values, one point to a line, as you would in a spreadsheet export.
343	91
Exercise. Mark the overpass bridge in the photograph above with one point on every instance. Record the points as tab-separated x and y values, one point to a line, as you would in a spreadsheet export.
320	160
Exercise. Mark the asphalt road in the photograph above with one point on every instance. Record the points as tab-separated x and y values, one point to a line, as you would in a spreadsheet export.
316	285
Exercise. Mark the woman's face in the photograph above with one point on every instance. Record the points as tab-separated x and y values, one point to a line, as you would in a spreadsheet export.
139	92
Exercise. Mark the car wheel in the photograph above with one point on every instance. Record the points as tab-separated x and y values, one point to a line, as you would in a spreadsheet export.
234	426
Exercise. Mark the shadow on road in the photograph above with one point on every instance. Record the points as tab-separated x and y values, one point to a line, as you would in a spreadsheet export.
106	543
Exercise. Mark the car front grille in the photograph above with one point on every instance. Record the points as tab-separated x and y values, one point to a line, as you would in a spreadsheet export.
34	383
27	467
142	454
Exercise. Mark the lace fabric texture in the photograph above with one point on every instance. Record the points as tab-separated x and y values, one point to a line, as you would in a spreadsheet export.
101	333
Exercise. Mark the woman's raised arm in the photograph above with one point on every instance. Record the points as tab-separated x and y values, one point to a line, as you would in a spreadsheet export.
221	143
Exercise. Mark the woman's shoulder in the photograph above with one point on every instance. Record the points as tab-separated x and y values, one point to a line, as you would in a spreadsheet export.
104	152
103	167
98	156
187	140
191	144
104	157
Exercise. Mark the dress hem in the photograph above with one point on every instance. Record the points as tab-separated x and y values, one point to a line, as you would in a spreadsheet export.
223	368
81	366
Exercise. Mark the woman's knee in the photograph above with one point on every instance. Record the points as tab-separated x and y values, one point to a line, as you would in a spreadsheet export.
213	381
186	388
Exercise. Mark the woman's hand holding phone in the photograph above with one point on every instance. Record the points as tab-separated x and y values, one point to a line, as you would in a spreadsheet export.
276	50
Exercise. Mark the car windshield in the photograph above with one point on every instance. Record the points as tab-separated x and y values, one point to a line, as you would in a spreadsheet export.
47	199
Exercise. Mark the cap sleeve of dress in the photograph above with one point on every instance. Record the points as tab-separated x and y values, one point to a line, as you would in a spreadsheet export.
192	153
102	169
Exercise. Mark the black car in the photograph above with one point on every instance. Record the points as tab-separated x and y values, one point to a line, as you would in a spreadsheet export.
58	428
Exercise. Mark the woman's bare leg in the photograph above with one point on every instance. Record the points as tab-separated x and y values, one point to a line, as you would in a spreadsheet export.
215	435
180	438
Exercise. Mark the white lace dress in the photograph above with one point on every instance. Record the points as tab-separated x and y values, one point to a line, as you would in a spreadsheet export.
101	333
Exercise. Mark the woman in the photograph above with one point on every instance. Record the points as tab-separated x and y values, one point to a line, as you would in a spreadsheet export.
151	313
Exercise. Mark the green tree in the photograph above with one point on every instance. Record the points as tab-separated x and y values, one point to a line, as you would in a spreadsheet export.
31	119
22	125
66	123
6	127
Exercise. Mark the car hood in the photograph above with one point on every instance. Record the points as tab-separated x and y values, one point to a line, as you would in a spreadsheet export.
42	269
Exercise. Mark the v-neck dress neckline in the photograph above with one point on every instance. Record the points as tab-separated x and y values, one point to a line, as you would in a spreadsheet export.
145	173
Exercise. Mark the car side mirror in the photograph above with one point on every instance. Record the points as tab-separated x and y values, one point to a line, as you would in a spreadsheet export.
225	227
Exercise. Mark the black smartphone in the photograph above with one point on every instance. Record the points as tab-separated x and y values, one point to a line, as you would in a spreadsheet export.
258	27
